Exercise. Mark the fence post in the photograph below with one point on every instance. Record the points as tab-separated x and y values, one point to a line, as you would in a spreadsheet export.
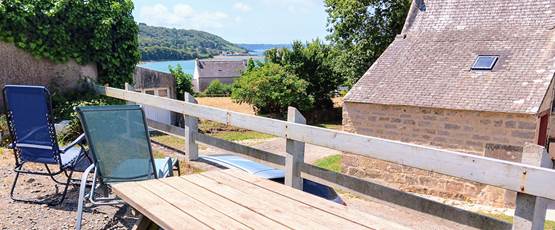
129	87
191	129
295	153
530	210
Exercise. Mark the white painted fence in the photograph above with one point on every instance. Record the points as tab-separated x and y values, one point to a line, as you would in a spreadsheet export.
536	181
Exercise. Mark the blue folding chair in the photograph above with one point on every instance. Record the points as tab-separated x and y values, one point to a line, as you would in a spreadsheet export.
33	139
120	147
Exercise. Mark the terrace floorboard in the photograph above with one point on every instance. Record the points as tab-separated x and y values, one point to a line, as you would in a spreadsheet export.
232	199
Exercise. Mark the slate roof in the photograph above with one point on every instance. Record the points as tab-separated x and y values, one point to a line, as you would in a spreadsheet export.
428	65
220	68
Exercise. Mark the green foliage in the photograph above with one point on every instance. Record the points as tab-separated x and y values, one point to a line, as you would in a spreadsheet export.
4	131
270	89
332	163
250	65
159	43
217	88
361	30
312	62
241	135
183	81
101	32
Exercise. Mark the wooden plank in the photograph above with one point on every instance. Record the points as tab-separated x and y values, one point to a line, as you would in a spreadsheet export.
503	174
264	157
342	211
165	128
285	211
191	128
159	211
223	205
499	173
396	197
203	213
306	210
530	210
295	153
247	121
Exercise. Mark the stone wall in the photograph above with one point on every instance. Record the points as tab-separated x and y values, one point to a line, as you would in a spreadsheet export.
20	67
498	135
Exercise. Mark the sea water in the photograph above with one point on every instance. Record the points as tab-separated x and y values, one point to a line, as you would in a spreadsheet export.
163	66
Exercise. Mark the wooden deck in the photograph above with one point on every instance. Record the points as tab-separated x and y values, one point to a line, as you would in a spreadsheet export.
232	199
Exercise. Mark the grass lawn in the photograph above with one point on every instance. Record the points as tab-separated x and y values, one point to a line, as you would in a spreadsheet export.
169	140
500	216
240	135
332	163
331	126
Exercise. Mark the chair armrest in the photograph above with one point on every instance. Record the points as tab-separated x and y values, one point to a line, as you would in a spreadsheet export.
77	141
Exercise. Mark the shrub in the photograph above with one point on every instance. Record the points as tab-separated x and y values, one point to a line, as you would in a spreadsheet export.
4	131
183	81
270	89
217	88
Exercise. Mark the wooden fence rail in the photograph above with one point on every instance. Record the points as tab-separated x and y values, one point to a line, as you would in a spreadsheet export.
527	179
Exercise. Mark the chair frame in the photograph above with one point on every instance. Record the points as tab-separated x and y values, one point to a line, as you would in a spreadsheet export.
97	175
19	163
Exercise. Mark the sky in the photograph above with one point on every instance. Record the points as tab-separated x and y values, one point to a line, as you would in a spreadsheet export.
239	21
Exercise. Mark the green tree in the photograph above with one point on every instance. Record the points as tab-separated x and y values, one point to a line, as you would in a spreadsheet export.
312	62
250	65
183	81
361	30
270	89
217	88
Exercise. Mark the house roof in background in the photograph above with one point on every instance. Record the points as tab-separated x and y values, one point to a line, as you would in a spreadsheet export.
429	64
214	68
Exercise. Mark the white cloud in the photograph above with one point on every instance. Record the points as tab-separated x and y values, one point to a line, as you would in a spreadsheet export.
242	7
181	16
294	6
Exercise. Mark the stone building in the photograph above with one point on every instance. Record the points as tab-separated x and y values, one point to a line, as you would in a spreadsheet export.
226	71
467	75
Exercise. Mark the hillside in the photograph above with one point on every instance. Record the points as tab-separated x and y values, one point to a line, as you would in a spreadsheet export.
160	43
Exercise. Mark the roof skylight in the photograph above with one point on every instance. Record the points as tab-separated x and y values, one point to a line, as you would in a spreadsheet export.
484	62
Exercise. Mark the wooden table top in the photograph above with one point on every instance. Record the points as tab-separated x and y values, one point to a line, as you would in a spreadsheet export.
232	199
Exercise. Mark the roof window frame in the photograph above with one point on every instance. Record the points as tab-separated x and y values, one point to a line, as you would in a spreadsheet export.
486	68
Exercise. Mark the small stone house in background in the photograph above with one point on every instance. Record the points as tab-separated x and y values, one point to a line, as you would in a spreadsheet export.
467	75
226	71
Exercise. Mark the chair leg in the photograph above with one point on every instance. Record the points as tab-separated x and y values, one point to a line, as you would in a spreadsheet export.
52	175
13	187
178	168
65	189
81	201
51	203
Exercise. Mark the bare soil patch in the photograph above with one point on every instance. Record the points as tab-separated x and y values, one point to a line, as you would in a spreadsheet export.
225	103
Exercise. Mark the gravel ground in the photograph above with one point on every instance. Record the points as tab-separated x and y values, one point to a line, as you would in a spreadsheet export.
19	215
